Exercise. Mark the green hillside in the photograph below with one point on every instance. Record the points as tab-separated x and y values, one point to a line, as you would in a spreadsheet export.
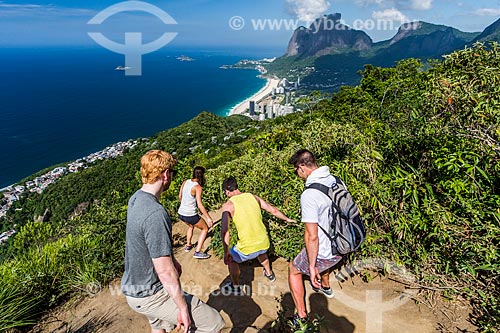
418	147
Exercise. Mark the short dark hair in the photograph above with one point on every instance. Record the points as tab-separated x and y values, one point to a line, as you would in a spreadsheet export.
229	184
303	157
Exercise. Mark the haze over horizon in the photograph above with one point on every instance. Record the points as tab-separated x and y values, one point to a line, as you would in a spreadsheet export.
209	23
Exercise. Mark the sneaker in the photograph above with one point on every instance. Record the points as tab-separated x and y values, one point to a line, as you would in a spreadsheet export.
270	277
296	322
188	248
201	255
328	292
230	289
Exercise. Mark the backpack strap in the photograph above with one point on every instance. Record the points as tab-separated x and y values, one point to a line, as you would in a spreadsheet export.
339	181
326	190
320	187
323	189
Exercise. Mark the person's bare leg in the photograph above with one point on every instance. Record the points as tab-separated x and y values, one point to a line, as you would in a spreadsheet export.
189	234
157	331
297	290
202	225
234	272
325	279
264	261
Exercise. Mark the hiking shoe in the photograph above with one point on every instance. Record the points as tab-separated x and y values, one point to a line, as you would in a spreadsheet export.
328	292
296	322
270	277
188	248
201	255
231	290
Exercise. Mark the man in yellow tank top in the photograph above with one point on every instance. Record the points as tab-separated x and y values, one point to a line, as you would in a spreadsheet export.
245	211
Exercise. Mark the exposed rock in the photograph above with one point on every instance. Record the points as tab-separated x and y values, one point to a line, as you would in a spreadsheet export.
327	35
45	217
80	209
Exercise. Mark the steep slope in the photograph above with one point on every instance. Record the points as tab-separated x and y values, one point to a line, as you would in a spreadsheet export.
347	312
491	33
327	35
420	40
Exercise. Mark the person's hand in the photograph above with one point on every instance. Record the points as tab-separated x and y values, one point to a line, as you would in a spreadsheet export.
227	258
315	277
184	320
290	220
210	222
178	267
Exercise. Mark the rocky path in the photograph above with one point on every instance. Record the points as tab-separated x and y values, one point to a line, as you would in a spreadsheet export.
382	305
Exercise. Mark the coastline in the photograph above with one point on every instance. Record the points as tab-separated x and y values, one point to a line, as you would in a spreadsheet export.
259	95
6	188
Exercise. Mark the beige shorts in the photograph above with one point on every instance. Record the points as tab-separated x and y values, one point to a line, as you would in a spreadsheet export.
161	312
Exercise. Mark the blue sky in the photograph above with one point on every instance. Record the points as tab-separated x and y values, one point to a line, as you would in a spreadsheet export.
206	23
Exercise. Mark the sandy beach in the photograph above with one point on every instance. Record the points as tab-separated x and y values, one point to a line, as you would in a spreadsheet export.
243	106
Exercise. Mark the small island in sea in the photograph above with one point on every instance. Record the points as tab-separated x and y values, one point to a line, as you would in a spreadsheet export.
122	68
184	58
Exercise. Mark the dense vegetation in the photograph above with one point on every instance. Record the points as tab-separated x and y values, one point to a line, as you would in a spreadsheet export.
419	149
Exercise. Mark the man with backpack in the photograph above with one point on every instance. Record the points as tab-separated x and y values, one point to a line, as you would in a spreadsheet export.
319	213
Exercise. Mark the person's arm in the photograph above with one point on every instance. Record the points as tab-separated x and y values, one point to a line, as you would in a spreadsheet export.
180	191
272	210
227	211
312	248
202	209
167	273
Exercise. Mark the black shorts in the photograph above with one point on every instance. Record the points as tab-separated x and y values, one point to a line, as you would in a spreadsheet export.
190	219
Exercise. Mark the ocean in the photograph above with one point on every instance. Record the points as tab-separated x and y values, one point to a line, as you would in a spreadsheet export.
60	104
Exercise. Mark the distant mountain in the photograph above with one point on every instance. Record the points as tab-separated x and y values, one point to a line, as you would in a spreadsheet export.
419	40
327	35
491	33
329	54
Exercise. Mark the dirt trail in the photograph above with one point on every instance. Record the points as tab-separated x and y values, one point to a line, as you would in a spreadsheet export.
375	307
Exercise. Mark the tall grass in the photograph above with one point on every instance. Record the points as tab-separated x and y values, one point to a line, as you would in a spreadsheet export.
17	307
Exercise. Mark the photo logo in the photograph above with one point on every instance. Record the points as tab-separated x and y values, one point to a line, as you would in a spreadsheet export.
237	23
325	23
133	49
374	305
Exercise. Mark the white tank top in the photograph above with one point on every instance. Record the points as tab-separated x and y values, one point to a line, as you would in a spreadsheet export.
188	203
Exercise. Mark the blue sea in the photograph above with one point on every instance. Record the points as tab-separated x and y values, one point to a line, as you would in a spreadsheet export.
60	104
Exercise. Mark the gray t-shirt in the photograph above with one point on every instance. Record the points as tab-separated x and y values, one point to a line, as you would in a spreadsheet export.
149	236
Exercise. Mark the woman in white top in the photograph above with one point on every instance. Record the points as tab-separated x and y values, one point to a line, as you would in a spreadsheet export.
190	197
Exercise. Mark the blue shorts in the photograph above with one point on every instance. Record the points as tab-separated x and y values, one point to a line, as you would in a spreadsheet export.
240	257
190	219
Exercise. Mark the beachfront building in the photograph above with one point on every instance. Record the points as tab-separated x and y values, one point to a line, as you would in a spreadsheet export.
252	108
270	110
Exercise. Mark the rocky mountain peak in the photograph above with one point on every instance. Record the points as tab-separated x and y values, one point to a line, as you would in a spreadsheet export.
326	35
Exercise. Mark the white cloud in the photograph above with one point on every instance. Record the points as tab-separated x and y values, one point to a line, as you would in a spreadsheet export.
307	10
369	2
400	4
390	15
16	10
487	12
421	4
4	5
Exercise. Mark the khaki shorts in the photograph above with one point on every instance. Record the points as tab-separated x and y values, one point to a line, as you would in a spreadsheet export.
161	312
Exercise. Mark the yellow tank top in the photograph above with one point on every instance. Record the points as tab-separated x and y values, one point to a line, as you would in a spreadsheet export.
252	234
